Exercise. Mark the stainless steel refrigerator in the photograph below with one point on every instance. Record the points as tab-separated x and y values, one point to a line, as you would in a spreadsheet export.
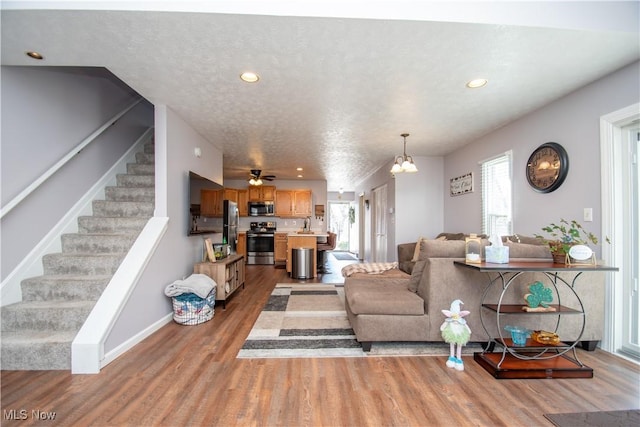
230	226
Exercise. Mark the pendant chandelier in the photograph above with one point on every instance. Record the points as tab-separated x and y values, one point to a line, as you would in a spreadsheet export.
404	163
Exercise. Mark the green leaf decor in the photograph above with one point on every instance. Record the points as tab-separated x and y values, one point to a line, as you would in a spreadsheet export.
539	295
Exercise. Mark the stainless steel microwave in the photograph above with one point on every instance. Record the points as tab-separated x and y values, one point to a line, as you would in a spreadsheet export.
262	209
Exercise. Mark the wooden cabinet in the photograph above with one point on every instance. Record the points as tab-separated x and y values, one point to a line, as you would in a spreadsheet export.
284	203
230	194
280	247
241	247
262	193
243	202
228	273
295	203
211	203
302	203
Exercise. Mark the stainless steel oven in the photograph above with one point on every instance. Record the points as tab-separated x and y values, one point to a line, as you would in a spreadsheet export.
260	243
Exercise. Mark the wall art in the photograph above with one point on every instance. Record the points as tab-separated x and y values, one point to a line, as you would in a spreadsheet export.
462	184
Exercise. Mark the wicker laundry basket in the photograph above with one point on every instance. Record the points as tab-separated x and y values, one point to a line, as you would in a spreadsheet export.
190	309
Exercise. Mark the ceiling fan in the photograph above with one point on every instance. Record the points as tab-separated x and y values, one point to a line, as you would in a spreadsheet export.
257	177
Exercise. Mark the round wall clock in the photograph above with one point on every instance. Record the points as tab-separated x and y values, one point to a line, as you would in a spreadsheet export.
547	167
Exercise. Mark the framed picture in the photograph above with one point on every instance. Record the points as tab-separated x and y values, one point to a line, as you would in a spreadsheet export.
462	184
209	254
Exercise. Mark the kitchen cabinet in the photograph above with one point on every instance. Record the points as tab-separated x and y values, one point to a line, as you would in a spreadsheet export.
262	193
231	194
302	203
241	247
284	203
293	203
211	203
243	202
280	248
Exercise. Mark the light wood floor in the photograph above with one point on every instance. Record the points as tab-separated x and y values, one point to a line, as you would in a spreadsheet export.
188	375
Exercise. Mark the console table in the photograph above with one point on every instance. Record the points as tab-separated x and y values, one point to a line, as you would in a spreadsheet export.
533	360
228	273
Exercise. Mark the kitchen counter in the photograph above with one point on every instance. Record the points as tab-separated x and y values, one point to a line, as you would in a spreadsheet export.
298	240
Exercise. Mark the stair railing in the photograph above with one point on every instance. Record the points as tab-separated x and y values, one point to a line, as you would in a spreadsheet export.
75	151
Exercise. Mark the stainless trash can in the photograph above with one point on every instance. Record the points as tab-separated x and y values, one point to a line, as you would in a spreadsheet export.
302	263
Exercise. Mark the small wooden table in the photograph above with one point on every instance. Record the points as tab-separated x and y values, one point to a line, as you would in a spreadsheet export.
533	360
228	273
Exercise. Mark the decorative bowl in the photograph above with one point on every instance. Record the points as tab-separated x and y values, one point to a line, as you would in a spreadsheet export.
519	335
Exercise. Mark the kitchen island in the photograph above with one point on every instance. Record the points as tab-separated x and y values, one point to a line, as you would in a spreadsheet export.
303	240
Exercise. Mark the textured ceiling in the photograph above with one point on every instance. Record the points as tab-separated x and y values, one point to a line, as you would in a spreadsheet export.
335	93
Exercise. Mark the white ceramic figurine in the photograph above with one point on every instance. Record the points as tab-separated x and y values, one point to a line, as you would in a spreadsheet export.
456	332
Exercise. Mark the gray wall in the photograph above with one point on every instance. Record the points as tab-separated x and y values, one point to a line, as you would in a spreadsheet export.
414	202
177	252
420	210
46	112
573	122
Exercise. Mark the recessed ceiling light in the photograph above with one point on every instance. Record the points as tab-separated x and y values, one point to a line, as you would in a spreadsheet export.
475	83
299	176
249	77
34	55
298	169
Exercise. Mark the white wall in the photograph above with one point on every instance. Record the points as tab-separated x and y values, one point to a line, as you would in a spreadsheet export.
176	254
573	122
46	112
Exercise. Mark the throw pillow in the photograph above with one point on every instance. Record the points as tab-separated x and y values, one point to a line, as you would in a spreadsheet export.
416	275
416	251
451	236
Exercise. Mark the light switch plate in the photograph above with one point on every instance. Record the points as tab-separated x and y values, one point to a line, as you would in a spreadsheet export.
588	214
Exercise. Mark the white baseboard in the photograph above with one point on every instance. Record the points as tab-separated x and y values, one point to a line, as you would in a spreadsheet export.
136	339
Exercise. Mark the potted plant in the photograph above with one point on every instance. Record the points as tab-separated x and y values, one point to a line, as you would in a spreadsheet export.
564	235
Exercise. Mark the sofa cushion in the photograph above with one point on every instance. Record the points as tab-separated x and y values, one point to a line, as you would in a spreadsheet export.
441	249
450	236
416	275
388	297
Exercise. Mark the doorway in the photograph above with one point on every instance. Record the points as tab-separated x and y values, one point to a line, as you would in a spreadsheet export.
380	224
620	141
339	223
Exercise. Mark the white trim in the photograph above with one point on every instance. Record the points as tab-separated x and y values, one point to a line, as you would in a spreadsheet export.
488	159
134	340
610	133
70	155
87	349
31	265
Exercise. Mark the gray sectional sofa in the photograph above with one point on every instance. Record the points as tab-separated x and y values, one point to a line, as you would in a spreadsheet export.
406	304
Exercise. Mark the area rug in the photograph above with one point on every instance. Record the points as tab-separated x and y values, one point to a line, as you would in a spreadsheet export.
344	256
309	320
602	418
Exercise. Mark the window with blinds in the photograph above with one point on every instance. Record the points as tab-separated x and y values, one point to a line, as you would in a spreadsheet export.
496	195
